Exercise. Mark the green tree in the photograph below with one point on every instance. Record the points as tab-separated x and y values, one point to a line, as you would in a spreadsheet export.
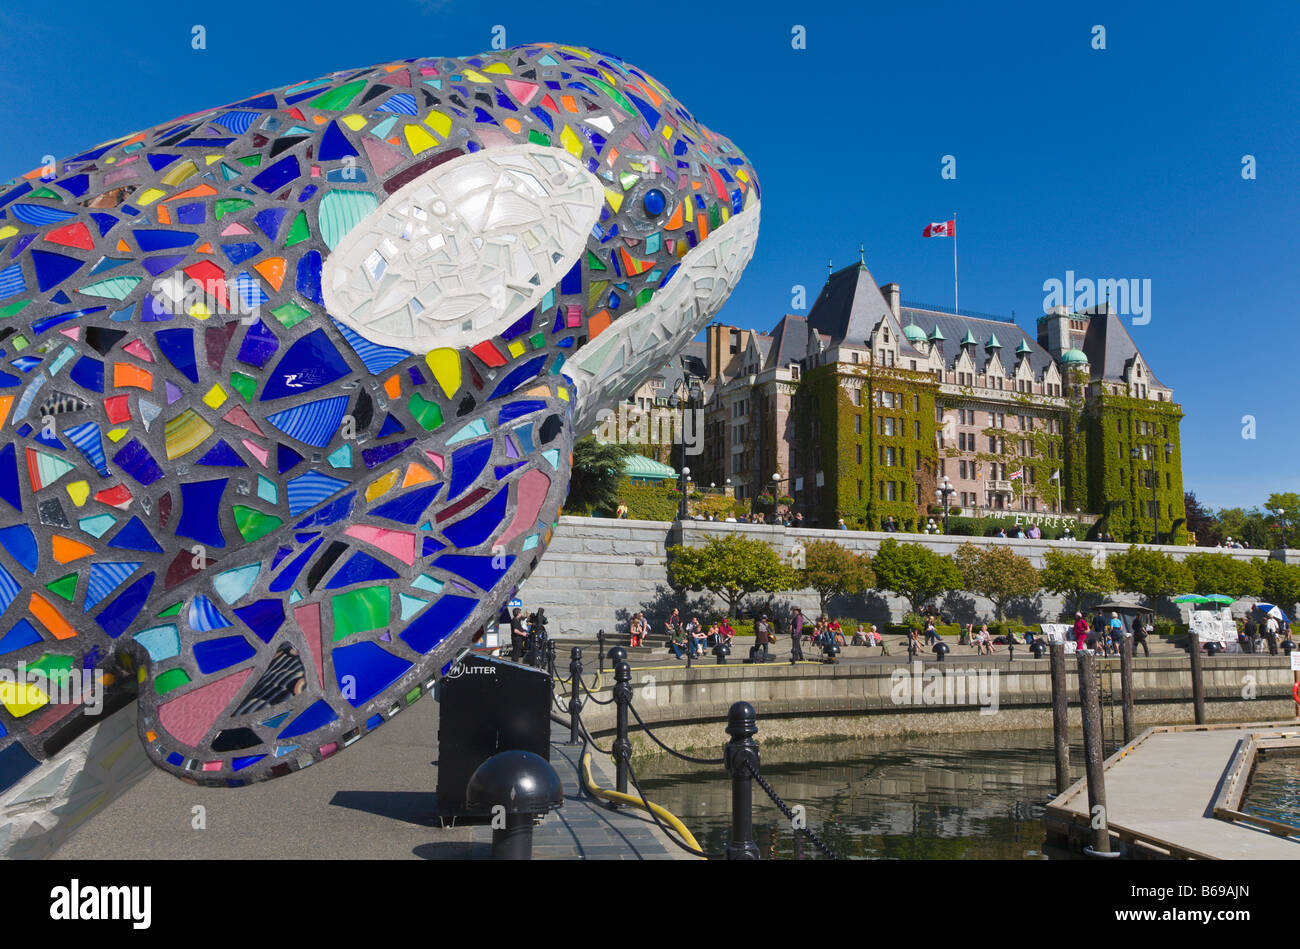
1245	526
833	570
1288	502
998	574
1201	522
914	572
1223	573
1151	573
1075	577
1280	583
731	567
596	472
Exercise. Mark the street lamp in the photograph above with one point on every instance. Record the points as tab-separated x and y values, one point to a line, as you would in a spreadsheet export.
1135	454
942	492
1281	525
684	480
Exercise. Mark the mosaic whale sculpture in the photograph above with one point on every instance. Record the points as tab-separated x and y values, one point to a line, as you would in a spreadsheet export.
289	389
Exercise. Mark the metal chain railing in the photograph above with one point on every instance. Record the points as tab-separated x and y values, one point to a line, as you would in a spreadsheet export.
789	813
740	758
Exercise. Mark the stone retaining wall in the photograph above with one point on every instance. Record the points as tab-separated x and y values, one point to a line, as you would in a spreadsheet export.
689	707
599	571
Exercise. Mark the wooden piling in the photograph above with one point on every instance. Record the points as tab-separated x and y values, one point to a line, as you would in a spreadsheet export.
1060	711
1198	686
1126	685
1090	704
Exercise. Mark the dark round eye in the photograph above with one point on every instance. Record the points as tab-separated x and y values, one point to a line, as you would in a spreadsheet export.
654	202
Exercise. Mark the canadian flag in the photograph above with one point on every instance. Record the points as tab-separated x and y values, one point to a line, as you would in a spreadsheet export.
942	229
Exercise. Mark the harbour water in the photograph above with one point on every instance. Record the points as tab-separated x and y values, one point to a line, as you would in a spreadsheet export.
978	795
1274	789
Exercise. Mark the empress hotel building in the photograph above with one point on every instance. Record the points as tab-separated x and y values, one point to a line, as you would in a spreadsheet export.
864	407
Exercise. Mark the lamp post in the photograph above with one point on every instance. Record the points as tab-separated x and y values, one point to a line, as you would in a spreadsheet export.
1281	525
943	492
683	482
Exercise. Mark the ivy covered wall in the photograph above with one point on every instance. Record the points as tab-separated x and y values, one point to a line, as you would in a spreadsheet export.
1116	423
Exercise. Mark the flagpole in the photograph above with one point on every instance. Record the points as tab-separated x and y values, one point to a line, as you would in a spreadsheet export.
955	311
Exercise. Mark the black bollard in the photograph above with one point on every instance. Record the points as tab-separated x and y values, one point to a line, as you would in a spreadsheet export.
617	654
622	750
514	787
575	693
741	752
721	650
941	649
600	651
690	650
1038	648
1011	649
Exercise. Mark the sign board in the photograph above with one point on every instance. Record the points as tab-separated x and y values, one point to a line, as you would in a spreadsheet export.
1295	660
1057	632
1214	626
516	602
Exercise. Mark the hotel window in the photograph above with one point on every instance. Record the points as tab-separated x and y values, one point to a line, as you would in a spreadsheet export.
859	454
916	430
889	457
918	460
916	403
887	399
857	396
859	489
889	426
857	425
961	469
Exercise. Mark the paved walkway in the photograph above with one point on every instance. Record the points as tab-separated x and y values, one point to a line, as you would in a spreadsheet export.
373	801
1165	788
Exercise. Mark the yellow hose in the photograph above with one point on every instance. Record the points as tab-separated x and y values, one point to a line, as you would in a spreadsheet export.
664	814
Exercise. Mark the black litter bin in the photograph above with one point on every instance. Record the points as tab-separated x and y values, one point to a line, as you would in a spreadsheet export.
486	706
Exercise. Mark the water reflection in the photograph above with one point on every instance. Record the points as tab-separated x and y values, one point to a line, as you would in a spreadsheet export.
968	796
1274	789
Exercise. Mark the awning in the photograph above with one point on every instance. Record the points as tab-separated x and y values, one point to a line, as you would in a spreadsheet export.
639	466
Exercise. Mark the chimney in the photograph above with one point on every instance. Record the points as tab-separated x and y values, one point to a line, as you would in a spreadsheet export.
893	296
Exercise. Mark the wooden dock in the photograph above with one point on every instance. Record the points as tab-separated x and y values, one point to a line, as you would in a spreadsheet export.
1164	789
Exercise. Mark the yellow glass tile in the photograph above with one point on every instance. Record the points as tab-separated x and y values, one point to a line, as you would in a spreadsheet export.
516	349
209	159
22	698
440	122
564	393
7	232
615	200
668	132
78	491
149	196
215	397
571	142
418	139
381	486
498	68
179	173
742	176
117	434
445	366
473	76
354	122
199	311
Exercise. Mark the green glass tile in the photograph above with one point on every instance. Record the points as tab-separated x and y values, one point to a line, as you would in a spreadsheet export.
715	217
253	523
171	679
20	342
65	587
359	611
338	99
594	262
627	179
251	161
537	340
427	414
46	193
13	309
413	695
229	206
291	314
614	94
643	296
50	663
174	609
538	138
244	384
299	232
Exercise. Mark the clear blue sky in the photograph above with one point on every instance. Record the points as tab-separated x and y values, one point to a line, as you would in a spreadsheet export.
1117	163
